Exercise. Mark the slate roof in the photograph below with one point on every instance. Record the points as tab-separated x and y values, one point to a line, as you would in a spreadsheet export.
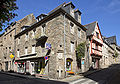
90	28
111	40
56	8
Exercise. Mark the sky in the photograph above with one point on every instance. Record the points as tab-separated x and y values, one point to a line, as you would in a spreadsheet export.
106	12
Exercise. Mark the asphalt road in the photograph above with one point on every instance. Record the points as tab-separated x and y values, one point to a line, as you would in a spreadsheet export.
109	75
10	79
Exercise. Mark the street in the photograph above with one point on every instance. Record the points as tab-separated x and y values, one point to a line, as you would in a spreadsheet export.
109	75
9	79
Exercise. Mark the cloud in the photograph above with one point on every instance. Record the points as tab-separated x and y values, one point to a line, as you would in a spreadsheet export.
114	6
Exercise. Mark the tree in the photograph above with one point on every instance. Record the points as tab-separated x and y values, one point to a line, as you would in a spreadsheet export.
7	8
81	50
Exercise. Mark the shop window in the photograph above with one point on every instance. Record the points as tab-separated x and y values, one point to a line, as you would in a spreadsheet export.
69	64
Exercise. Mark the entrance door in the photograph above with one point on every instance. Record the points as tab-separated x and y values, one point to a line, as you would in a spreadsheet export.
32	68
6	66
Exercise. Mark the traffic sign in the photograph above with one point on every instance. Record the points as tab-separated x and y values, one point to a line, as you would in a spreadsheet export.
11	56
46	57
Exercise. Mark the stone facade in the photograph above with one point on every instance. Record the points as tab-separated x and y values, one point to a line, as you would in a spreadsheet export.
9	44
51	30
107	58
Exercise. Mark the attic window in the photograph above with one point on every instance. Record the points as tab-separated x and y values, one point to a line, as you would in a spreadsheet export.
97	34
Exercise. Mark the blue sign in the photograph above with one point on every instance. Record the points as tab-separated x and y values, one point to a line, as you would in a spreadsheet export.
82	62
48	46
46	57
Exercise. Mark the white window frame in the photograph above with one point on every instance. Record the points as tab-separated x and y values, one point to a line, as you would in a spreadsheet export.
72	28
18	53
26	36
33	34
18	40
26	50
72	46
43	29
79	32
33	49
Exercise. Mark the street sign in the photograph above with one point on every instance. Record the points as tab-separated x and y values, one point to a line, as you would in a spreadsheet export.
48	46
46	57
11	56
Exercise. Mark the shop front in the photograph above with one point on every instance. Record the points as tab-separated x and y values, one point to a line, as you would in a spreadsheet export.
32	66
69	65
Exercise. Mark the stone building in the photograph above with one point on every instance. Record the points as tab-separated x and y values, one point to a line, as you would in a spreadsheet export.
113	43
108	53
1	51
94	44
8	43
48	47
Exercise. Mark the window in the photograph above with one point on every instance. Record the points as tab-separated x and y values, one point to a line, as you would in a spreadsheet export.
33	49
72	28
26	48
43	29
96	46
97	34
18	40
18	53
72	46
26	36
10	49
34	32
78	32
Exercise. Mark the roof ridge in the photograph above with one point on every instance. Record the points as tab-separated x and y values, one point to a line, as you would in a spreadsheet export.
91	23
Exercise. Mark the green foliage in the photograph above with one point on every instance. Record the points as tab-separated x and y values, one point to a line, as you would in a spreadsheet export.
115	54
7	8
81	50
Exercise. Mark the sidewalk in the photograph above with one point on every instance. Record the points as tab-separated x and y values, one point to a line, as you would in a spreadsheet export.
76	77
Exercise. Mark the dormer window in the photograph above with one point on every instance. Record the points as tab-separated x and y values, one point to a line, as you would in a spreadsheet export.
72	12
24	27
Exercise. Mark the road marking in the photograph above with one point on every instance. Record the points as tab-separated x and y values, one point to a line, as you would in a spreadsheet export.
77	81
